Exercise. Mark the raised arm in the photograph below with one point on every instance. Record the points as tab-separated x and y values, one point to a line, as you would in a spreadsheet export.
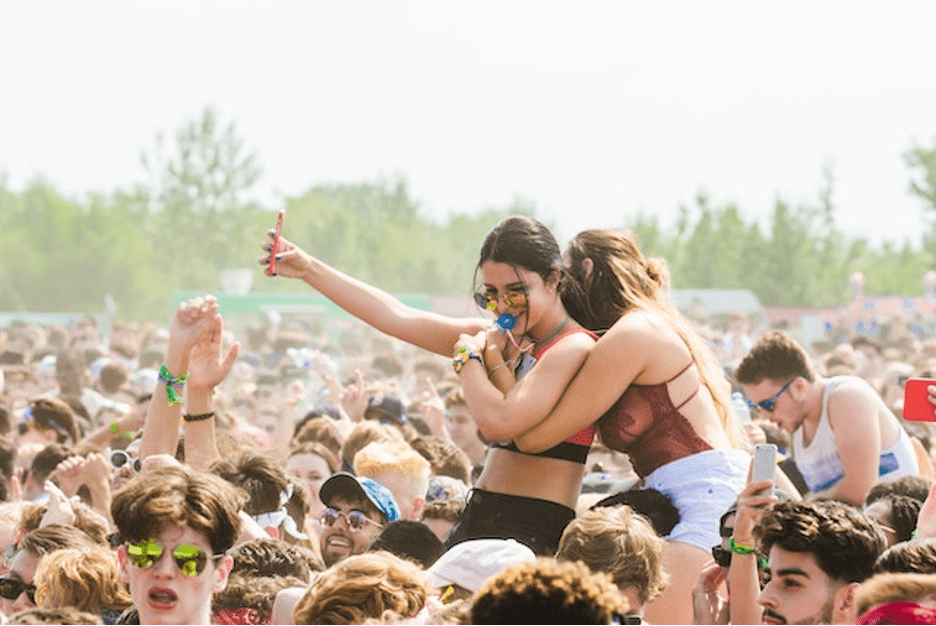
193	318
428	330
209	367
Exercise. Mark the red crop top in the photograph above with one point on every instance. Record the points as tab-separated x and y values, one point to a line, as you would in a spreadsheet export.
576	447
646	425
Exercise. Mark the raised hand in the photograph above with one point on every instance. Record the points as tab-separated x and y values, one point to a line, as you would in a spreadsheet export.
193	318
208	367
291	260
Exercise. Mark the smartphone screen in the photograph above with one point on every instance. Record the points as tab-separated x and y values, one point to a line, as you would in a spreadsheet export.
917	406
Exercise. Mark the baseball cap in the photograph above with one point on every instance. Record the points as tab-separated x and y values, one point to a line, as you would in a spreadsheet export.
469	563
343	483
386	406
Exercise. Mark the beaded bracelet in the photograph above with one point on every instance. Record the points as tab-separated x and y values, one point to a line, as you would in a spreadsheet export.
462	357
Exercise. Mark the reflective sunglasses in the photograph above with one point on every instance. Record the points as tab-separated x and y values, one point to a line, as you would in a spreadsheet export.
12	588
189	559
119	458
354	519
513	298
767	405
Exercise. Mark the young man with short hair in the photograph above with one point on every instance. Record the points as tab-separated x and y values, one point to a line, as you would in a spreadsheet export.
176	524
845	439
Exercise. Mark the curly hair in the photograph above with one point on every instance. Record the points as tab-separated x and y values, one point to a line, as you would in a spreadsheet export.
445	457
775	356
621	543
843	540
265	556
363	587
911	485
87	579
548	592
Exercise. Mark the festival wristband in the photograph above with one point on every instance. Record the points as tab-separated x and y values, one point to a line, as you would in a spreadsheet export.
172	396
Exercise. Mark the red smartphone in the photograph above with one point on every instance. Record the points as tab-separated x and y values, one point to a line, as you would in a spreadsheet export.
917	406
280	217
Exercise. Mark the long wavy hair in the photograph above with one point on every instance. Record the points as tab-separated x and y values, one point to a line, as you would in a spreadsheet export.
624	280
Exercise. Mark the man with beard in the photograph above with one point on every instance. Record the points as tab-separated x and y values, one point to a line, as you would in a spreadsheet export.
356	509
818	553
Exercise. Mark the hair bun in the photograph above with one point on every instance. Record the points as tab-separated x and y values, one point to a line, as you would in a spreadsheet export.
657	271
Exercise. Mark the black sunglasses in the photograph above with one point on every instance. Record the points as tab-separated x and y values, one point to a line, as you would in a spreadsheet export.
767	405
12	588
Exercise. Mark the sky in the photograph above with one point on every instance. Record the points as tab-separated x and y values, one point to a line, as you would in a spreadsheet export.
594	111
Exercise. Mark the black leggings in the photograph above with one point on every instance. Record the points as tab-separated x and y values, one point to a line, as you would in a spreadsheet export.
535	523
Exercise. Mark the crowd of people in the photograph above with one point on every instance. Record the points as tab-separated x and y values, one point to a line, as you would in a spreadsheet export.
578	452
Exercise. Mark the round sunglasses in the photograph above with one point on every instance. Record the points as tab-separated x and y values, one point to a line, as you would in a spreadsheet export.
513	298
354	519
190	559
119	458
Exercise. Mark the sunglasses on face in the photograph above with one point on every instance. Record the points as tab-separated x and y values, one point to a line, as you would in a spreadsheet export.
12	588
190	560
768	405
513	298
119	458
354	519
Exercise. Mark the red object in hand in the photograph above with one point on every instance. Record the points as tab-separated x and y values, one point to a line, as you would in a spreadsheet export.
271	267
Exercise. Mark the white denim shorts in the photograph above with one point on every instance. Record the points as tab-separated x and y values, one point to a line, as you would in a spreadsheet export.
702	486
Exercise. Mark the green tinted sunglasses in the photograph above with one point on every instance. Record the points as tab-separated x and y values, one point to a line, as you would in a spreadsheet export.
189	559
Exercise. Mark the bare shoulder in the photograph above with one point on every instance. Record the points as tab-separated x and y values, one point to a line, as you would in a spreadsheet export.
854	400
642	329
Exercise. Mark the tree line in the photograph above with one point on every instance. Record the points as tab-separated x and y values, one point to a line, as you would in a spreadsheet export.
192	218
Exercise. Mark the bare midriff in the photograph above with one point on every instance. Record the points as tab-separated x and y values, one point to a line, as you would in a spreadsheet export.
518	474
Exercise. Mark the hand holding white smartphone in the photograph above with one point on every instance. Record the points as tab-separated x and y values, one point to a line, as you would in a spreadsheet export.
765	462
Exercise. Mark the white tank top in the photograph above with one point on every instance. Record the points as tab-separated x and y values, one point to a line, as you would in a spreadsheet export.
819	462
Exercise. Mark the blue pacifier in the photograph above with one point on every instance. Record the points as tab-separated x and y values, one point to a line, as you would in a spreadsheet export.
506	321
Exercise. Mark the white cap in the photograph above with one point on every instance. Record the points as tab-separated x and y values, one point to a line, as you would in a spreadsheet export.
470	563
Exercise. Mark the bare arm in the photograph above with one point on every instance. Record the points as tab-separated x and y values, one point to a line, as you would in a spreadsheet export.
743	578
502	416
614	362
161	428
428	330
854	422
209	366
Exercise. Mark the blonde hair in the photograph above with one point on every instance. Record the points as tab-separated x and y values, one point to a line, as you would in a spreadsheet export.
895	587
391	456
363	587
364	433
85	578
621	543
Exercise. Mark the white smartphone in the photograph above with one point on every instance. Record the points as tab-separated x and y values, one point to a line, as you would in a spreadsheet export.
765	462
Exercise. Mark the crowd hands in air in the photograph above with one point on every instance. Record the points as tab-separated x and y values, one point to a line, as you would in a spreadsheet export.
294	473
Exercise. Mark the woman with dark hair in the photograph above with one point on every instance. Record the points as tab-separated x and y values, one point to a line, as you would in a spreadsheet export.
529	497
660	396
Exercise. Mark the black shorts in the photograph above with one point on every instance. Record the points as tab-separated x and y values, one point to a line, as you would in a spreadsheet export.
535	523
